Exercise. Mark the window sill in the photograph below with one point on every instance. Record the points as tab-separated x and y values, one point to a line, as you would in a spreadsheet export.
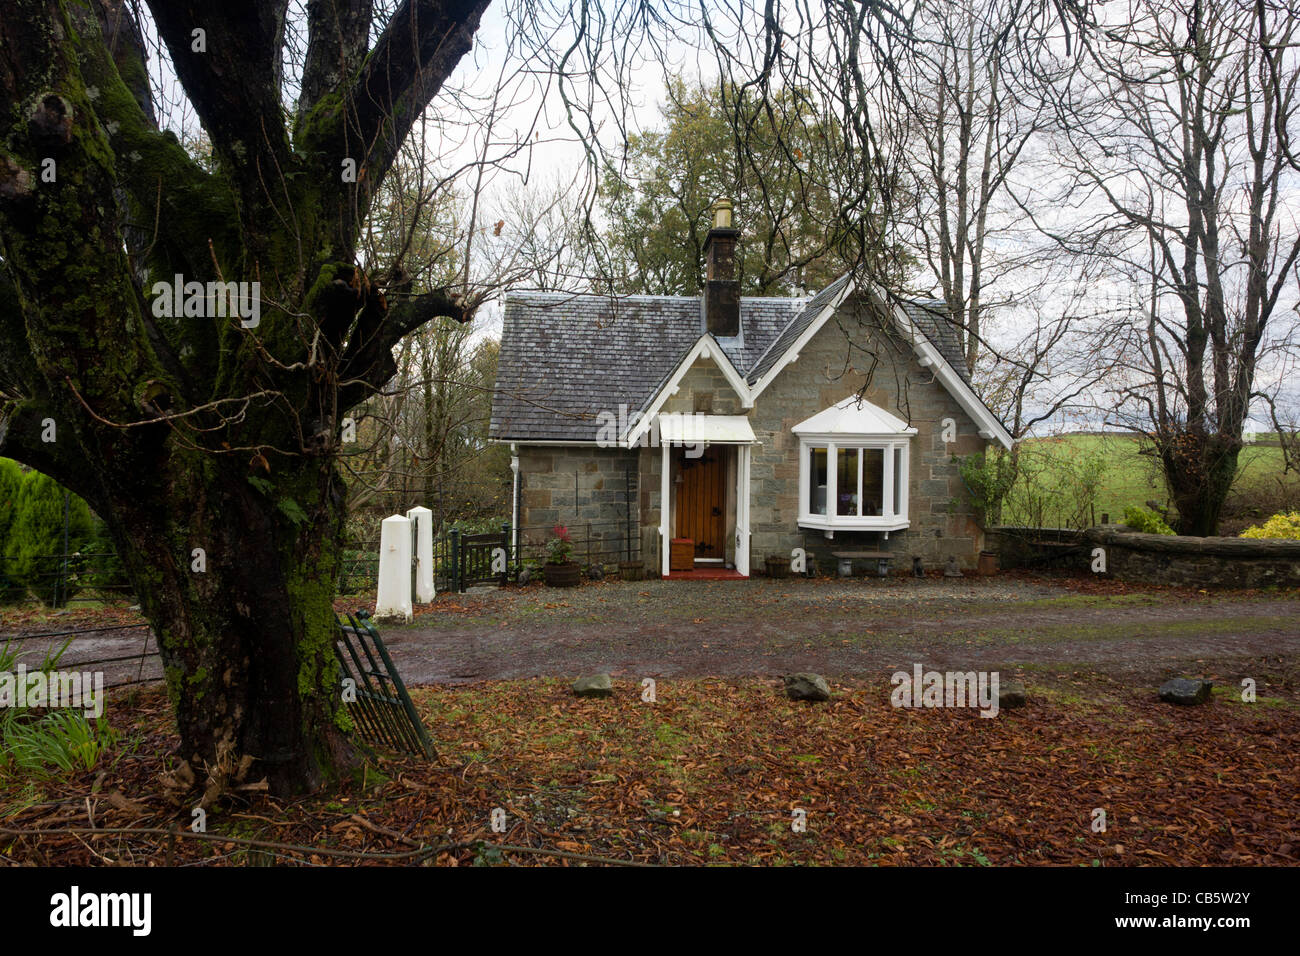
826	523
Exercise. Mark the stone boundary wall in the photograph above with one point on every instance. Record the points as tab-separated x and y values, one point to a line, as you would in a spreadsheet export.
1198	562
1152	558
1037	547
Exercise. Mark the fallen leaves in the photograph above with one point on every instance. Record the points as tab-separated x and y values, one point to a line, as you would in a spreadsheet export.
714	771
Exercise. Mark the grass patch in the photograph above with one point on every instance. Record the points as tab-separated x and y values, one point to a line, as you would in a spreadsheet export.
1130	478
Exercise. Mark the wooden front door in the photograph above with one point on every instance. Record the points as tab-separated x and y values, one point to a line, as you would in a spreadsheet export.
702	503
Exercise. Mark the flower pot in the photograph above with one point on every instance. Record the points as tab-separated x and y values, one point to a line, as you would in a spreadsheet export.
631	570
778	566
567	575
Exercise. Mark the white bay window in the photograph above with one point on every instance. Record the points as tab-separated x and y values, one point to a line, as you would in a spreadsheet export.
853	469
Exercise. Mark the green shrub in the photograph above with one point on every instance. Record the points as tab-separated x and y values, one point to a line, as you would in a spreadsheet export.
1145	521
37	744
1058	484
1285	524
11	483
988	480
34	546
102	567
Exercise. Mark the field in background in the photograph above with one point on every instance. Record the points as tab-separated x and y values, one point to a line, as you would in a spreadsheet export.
1073	480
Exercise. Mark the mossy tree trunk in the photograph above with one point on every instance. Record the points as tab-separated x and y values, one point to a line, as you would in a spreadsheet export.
1199	469
209	442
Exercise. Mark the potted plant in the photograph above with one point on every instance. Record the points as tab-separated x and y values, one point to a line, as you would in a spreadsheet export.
560	571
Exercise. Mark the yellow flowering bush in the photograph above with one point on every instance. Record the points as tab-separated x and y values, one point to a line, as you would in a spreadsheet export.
1284	524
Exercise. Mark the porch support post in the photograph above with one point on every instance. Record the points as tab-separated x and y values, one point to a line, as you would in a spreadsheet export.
513	543
665	485
743	459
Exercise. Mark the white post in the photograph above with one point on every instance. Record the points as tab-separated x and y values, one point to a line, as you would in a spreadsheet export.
422	526
742	508
665	484
394	601
513	544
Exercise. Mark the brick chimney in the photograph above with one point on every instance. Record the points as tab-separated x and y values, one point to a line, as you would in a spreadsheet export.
721	287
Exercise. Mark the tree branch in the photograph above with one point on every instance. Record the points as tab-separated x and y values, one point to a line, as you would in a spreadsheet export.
23	429
338	39
368	361
417	51
231	73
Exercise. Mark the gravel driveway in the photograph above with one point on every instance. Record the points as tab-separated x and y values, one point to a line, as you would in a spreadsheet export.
862	627
1039	627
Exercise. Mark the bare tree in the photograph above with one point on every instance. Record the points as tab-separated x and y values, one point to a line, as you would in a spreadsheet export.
972	122
1177	132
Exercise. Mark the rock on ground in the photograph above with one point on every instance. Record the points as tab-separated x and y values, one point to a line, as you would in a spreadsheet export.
806	687
1185	690
598	685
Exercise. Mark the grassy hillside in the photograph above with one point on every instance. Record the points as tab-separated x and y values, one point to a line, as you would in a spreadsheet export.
1072	479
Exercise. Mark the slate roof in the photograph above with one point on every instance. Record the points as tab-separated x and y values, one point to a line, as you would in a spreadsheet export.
565	358
930	318
791	333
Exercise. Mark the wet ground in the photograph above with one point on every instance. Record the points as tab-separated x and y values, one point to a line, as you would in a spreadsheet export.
862	627
857	628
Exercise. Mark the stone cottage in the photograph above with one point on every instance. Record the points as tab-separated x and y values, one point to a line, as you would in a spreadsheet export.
740	427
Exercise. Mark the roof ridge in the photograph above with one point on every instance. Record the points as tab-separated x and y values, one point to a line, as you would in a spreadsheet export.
807	303
619	297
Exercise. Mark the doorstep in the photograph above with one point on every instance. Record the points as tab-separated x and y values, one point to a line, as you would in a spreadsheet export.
705	572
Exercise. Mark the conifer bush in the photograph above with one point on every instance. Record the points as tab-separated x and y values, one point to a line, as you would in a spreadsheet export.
33	546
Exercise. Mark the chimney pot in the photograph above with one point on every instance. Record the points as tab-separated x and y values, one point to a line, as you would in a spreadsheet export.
722	214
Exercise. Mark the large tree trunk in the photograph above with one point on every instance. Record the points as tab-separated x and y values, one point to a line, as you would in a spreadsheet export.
209	444
1199	470
239	589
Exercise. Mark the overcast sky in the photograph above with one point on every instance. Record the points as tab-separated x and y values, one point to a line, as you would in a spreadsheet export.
528	105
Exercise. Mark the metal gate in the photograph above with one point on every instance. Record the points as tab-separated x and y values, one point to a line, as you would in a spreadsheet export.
382	711
464	560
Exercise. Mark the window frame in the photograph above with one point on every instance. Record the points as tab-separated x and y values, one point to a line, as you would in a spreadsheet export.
892	446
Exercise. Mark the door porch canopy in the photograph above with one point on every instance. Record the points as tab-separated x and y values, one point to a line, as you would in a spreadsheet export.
681	430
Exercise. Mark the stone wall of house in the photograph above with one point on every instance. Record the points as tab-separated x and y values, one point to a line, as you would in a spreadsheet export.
579	486
650	463
706	390
830	368
1198	562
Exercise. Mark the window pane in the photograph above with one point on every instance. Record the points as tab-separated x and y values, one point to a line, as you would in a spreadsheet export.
873	481
899	478
817	481
846	481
